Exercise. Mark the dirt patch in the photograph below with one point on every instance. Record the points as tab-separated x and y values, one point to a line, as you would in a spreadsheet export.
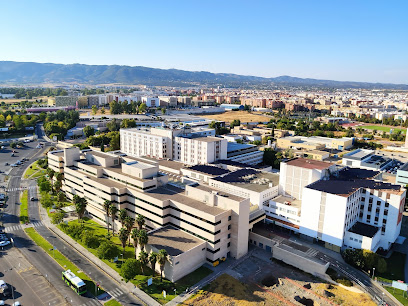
243	116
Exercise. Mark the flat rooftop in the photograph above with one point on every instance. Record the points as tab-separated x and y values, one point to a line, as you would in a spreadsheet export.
173	240
309	163
172	193
233	146
293	202
250	179
358	154
212	170
364	229
221	193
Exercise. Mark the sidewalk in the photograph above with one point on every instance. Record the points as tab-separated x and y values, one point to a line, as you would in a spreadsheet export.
127	287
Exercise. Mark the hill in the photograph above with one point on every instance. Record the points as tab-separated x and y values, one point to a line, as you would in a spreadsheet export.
39	73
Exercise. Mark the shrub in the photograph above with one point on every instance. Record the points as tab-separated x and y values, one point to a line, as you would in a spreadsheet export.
108	250
75	230
129	269
90	240
345	282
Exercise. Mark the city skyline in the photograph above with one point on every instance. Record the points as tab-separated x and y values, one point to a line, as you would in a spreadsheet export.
347	42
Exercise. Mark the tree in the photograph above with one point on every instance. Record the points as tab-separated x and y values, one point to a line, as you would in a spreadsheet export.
61	197
142	107
90	240
234	123
103	111
57	217
129	223
135	237
143	259
113	125
106	206
129	269
140	220
381	265
80	208
113	210
123	237
163	110
88	131
162	257
45	186
153	260
143	238
114	143
122	216
57	186
59	176
94	109
50	173
108	250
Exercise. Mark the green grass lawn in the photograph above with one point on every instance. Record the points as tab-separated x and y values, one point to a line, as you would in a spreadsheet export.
61	259
34	171
400	295
112	303
156	289
383	128
24	207
395	267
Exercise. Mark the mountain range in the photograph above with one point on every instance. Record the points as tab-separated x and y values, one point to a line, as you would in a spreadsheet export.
13	73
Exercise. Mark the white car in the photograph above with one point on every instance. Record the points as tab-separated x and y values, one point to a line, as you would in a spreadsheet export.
4	243
16	303
1	302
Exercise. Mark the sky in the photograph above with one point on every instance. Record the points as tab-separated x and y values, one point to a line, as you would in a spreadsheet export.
337	40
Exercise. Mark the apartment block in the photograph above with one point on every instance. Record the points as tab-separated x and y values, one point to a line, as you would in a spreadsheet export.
66	101
218	220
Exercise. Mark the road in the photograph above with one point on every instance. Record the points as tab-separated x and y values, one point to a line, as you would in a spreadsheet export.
45	264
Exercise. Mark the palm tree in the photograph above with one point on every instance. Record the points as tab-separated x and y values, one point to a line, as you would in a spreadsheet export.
57	186
59	176
123	237
80	208
162	258
50	173
122	216
153	260
129	223
135	237
106	206
143	239
143	258
60	197
140	220
113	210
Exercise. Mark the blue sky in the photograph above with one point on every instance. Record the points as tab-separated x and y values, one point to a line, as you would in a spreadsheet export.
338	40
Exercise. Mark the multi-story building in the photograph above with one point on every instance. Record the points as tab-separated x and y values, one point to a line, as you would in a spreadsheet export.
366	159
244	153
315	143
66	101
189	146
151	102
219	221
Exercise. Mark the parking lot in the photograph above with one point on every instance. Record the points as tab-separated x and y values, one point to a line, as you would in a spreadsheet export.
5	157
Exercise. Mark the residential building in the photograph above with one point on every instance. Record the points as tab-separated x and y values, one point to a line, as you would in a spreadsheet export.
151	102
66	101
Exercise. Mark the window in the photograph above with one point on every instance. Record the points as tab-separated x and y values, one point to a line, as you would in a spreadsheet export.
362	199
387	204
229	218
378	202
229	226
229	244
229	235
386	212
361	214
376	219
370	200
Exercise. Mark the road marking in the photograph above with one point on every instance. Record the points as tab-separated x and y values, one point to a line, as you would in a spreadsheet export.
115	292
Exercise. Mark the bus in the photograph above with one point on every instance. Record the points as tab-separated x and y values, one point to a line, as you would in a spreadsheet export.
74	282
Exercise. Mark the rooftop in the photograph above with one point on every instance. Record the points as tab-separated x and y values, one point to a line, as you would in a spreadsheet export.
250	179
359	154
212	170
350	180
364	229
172	193
292	202
173	240
238	164
233	146
309	163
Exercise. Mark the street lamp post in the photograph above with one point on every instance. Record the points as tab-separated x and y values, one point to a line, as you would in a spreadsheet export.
122	258
373	272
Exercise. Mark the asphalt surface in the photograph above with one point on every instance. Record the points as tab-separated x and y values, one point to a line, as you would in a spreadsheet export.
46	265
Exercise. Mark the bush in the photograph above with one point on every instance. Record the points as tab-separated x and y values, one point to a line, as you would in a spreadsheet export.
90	240
108	250
75	230
57	217
129	269
344	282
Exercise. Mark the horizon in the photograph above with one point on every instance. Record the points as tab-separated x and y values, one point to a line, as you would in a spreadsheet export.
347	41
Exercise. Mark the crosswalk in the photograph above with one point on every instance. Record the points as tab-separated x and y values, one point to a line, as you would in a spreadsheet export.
115	292
20	188
16	227
312	252
92	303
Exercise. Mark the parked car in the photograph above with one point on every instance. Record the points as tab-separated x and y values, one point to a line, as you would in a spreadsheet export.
4	243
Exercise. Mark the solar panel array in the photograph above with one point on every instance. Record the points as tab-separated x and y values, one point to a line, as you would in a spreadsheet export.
239	176
209	169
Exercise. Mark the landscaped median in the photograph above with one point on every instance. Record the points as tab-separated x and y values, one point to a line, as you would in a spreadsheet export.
24	207
399	294
34	171
97	232
63	261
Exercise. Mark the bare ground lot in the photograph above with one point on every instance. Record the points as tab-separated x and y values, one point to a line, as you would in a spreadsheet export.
243	116
257	282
